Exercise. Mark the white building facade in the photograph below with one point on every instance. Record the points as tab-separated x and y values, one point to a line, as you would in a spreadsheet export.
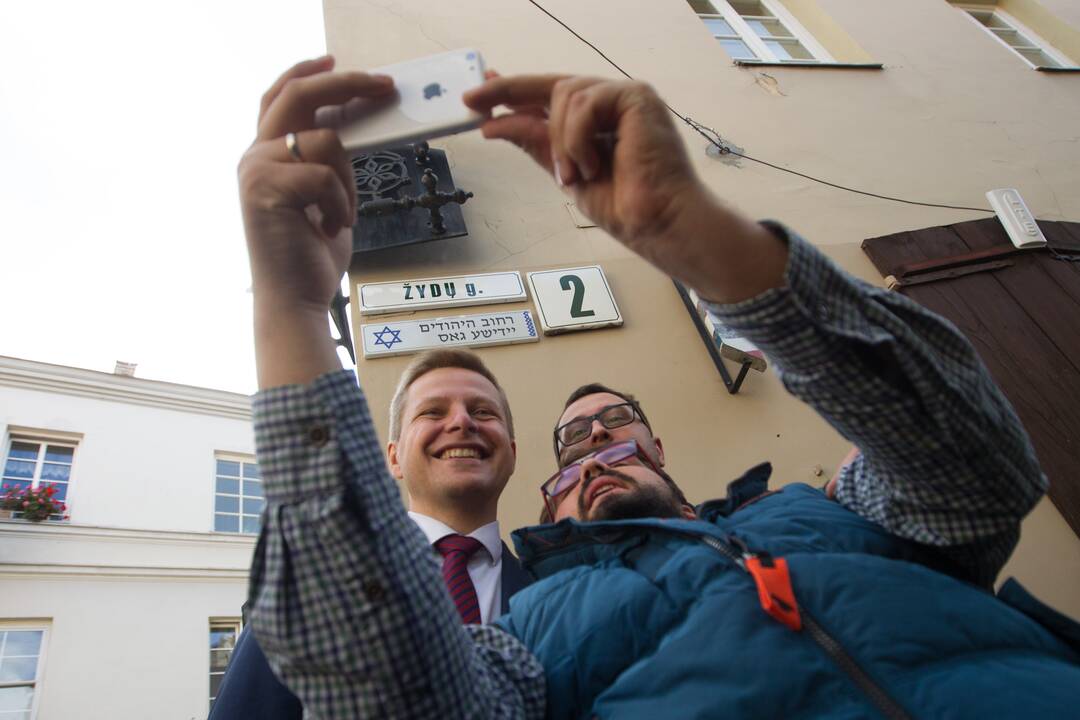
128	607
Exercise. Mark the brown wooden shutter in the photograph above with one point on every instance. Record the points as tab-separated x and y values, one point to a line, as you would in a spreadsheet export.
1023	318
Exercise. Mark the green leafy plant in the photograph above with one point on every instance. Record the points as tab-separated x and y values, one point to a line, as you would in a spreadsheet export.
35	504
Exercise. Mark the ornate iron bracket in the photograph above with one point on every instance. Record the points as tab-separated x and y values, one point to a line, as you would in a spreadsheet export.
385	217
432	200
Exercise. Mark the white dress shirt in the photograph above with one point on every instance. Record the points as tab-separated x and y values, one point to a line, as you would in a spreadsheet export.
485	566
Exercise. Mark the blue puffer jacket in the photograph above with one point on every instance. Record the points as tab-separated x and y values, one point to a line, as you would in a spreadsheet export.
645	619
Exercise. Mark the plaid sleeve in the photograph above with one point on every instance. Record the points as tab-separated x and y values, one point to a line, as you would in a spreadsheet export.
346	596
944	459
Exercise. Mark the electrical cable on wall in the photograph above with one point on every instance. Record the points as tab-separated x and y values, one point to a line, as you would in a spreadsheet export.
725	150
718	141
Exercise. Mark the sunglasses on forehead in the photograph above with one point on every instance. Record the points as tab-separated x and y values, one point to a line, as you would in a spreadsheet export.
566	478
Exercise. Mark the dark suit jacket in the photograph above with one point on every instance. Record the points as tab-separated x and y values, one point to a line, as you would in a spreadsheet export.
251	690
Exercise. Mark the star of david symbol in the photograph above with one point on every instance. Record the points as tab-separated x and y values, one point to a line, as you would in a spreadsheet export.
381	337
378	173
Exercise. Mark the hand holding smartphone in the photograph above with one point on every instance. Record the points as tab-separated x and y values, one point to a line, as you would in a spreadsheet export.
427	104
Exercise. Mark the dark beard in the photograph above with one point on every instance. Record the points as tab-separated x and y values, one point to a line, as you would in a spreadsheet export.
639	502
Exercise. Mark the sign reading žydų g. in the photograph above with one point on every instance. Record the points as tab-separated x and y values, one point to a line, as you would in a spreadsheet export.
441	292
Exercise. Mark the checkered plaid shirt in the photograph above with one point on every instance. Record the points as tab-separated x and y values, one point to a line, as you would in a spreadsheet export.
347	600
943	458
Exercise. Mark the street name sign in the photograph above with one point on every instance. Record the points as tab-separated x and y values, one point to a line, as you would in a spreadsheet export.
410	336
441	292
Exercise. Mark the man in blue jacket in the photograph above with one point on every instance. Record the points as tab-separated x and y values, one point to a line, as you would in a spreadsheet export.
451	444
760	604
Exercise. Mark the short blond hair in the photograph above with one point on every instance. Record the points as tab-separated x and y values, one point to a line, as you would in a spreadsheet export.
436	360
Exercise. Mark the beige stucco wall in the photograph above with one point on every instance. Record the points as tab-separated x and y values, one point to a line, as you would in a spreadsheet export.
952	115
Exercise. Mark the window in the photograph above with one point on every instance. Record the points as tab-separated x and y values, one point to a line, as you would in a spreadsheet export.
33	462
238	495
223	635
21	661
759	31
1022	40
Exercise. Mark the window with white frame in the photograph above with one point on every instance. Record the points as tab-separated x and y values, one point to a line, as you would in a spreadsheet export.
1016	36
22	656
238	494
760	31
223	635
36	462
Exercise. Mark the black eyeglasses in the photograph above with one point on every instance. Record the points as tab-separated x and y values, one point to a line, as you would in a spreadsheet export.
611	417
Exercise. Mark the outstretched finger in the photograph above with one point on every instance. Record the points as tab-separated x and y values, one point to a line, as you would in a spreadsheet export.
294	107
513	90
300	69
538	110
528	132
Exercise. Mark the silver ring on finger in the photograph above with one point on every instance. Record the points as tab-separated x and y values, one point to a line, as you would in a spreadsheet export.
293	146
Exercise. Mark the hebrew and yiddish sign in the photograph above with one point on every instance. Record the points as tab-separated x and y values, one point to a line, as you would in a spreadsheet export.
409	336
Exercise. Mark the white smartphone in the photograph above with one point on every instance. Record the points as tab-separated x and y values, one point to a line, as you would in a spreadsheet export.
427	104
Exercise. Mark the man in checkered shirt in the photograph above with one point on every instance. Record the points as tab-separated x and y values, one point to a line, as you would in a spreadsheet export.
765	604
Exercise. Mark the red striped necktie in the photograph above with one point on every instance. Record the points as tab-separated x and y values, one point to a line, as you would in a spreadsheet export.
456	551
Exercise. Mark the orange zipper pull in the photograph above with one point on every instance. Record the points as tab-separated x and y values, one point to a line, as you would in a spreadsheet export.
774	589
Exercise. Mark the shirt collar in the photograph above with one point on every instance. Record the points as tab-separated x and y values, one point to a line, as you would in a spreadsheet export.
488	535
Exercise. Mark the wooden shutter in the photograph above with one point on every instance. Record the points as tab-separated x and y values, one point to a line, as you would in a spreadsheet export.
1024	320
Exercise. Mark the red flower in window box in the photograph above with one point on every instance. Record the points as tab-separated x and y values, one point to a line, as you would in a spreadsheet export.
33	504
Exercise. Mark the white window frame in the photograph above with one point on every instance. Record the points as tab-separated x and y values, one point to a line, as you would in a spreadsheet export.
237	458
233	623
44	438
36	684
1063	61
754	41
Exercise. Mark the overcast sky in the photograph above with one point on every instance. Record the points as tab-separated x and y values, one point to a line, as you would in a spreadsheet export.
122	124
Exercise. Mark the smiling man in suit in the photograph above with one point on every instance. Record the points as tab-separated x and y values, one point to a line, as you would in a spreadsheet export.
452	445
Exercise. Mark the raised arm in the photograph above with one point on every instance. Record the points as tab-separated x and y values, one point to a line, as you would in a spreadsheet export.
642	188
943	460
347	601
298	205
